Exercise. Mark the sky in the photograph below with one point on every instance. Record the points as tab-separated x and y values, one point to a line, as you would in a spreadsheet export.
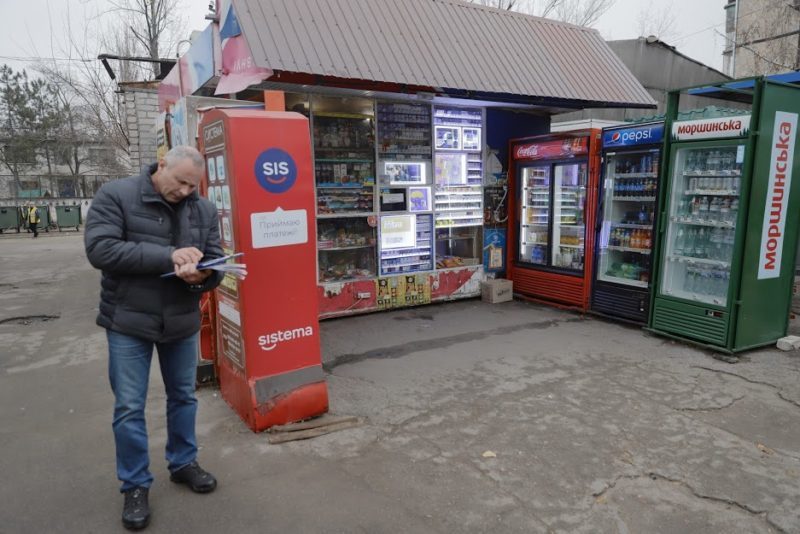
35	27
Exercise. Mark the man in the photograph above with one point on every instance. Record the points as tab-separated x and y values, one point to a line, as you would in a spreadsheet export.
32	216
138	228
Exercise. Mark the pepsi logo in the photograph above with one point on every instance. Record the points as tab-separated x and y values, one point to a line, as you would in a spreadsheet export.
275	170
616	137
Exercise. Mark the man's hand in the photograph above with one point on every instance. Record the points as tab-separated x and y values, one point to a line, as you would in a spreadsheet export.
189	273
186	256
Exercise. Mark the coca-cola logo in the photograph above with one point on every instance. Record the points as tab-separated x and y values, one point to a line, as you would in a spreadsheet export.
527	151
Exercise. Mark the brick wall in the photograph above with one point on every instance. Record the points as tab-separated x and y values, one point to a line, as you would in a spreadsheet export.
141	117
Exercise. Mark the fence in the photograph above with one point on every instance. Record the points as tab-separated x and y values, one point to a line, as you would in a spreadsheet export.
52	186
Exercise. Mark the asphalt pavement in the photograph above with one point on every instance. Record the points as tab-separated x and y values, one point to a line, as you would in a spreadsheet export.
499	418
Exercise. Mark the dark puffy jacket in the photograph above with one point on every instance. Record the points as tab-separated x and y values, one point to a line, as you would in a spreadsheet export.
130	234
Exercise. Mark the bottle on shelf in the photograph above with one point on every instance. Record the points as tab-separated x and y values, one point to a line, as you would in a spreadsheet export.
680	242
702	209
635	239
689	281
688	244
648	240
734	210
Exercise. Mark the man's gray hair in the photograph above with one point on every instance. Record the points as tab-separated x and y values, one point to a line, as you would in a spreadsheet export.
180	153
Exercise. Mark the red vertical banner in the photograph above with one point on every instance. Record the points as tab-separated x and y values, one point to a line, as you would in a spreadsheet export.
261	181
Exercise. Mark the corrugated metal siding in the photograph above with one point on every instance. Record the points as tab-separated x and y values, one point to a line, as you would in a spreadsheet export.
439	43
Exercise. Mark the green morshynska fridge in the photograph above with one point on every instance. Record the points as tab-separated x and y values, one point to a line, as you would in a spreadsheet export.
725	249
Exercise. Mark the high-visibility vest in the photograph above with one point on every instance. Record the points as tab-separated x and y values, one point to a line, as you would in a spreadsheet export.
33	215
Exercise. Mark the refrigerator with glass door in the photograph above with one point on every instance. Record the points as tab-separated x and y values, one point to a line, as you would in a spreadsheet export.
729	222
552	187
631	159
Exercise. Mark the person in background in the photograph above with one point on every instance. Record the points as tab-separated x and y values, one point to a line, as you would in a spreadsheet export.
32	216
136	229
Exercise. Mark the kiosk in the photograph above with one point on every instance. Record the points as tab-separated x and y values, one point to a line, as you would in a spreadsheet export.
260	178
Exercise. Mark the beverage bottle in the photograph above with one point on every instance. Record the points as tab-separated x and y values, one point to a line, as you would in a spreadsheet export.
701	244
680	242
648	240
695	207
713	210
688	166
688	282
702	210
626	238
688	245
734	210
728	240
725	210
635	239
701	285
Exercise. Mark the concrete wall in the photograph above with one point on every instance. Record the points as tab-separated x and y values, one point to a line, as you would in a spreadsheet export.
760	19
141	116
659	69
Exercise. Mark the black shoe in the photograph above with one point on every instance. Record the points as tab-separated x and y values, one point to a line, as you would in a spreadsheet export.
194	476
136	512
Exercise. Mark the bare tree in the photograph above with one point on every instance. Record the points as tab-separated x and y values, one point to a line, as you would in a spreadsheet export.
657	21
580	12
154	24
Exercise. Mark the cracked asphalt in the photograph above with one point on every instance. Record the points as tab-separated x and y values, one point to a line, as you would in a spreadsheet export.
479	418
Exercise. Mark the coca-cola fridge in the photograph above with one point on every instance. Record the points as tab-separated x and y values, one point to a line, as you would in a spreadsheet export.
553	189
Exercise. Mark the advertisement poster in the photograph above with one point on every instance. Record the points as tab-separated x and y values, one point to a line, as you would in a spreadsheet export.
388	293
471	138
212	170
419	199
404	172
451	169
448	138
494	247
416	290
398	231
230	330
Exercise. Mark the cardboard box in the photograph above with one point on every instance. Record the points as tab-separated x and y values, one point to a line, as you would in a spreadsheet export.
497	290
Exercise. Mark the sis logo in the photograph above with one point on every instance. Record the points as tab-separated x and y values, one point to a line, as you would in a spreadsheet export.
275	170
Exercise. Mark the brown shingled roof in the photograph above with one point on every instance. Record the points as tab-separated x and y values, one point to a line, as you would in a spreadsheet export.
449	45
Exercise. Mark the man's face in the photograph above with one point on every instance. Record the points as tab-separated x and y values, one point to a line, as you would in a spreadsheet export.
177	181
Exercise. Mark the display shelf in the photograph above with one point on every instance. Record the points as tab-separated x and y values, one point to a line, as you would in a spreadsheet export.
633	175
712	193
713	174
631	226
697	297
629	249
345	186
699	261
563	245
344	215
702	222
633	199
624	281
342	160
459	225
337	115
321	248
397	259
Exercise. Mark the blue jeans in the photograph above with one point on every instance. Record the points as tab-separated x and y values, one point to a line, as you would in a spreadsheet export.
129	372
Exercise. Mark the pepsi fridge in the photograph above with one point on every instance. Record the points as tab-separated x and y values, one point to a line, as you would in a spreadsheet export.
728	232
631	159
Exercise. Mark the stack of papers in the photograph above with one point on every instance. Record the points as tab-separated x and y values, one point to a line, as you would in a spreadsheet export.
239	270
